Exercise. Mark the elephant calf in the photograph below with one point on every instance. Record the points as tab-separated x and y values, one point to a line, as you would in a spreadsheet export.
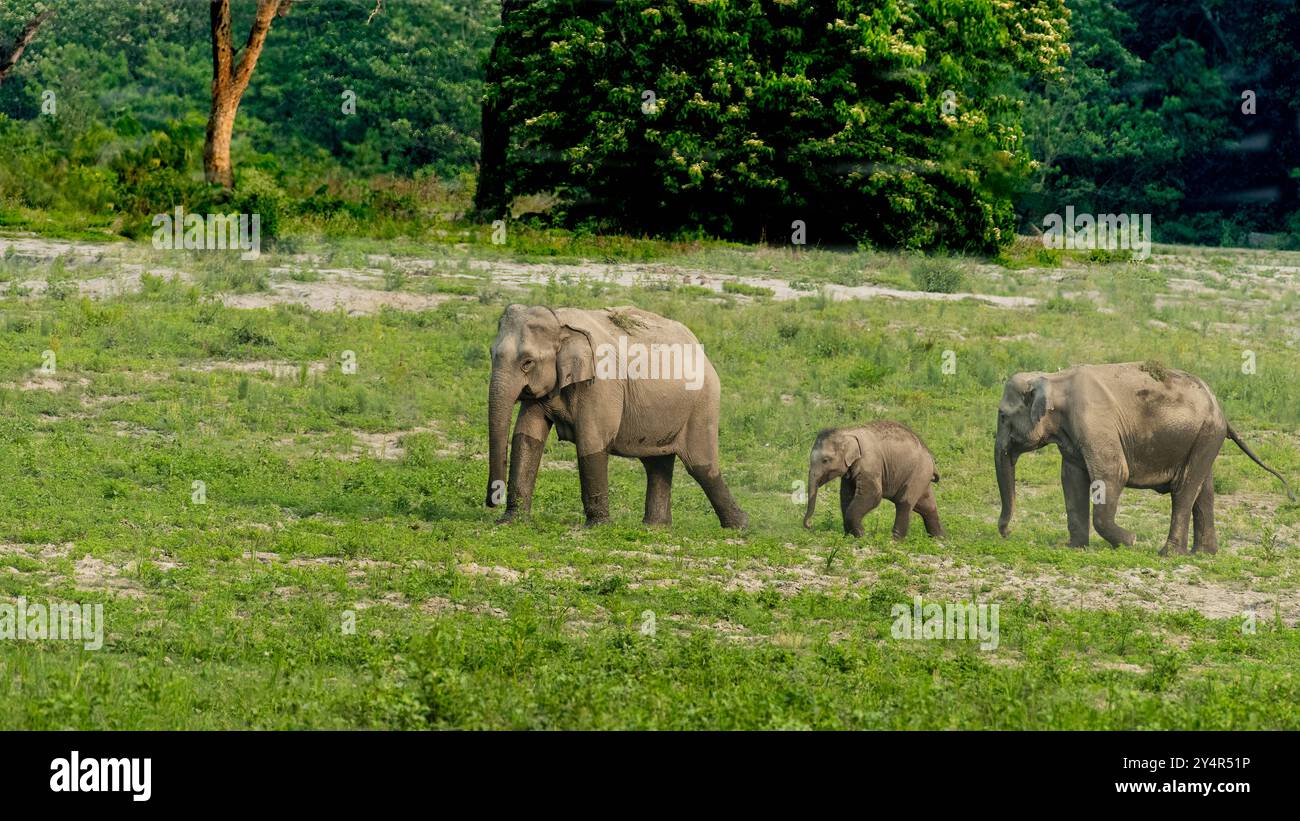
621	382
879	460
1137	425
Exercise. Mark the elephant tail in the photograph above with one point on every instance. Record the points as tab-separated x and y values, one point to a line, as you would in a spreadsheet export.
1232	434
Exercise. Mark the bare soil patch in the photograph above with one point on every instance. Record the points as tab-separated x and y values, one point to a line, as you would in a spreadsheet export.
332	296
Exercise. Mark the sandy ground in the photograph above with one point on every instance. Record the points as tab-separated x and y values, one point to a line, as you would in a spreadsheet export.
360	291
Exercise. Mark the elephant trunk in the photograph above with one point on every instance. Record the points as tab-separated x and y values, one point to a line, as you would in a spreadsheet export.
814	481
502	393
1005	460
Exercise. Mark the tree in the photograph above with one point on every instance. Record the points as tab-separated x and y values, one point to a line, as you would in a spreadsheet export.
9	57
860	120
230	80
490	197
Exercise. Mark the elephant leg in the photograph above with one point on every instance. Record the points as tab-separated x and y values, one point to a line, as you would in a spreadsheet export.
593	474
531	431
700	455
902	519
724	504
659	489
1103	512
848	489
1204	537
1184	497
865	499
928	509
1074	481
1187	493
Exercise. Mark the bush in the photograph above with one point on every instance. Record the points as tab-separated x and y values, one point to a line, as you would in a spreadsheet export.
744	289
257	192
938	275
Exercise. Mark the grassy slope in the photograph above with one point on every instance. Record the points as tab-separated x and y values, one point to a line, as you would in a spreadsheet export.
229	614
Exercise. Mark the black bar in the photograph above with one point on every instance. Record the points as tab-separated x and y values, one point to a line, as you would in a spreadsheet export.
335	770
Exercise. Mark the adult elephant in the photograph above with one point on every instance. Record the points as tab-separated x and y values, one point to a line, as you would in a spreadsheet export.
1137	425
620	381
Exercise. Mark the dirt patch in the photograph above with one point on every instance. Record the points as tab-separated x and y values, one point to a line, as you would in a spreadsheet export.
387	445
789	581
392	599
504	574
280	370
437	606
96	575
629	275
1154	591
728	630
132	430
42	382
36	248
129	281
331	296
382	445
44	552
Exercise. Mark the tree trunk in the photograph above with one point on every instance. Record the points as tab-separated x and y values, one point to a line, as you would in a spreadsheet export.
491	198
9	58
216	146
230	80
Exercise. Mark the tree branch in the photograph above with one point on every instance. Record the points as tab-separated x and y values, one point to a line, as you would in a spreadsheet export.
267	10
25	37
223	56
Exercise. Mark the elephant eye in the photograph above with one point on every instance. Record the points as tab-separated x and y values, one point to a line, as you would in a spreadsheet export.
527	365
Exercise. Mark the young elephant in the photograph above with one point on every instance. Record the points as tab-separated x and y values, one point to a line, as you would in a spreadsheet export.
1135	424
879	460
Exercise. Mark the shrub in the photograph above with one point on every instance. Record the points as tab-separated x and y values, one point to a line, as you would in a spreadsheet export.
257	192
938	275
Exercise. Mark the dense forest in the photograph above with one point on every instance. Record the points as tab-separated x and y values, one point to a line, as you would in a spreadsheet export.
924	124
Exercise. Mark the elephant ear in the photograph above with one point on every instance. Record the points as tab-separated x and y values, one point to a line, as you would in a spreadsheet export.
582	337
1040	401
853	453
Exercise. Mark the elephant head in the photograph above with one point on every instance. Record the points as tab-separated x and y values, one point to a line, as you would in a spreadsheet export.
1026	421
833	454
537	352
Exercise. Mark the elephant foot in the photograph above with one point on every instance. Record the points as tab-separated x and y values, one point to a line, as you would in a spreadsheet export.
1079	543
1208	547
1173	548
597	520
511	516
738	520
1122	537
657	521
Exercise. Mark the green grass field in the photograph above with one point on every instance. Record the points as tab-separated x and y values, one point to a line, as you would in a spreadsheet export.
343	572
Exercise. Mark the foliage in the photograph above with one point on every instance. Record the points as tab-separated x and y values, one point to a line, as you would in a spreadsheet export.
764	113
1148	117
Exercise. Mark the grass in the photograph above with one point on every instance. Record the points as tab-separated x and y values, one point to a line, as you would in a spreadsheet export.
337	499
